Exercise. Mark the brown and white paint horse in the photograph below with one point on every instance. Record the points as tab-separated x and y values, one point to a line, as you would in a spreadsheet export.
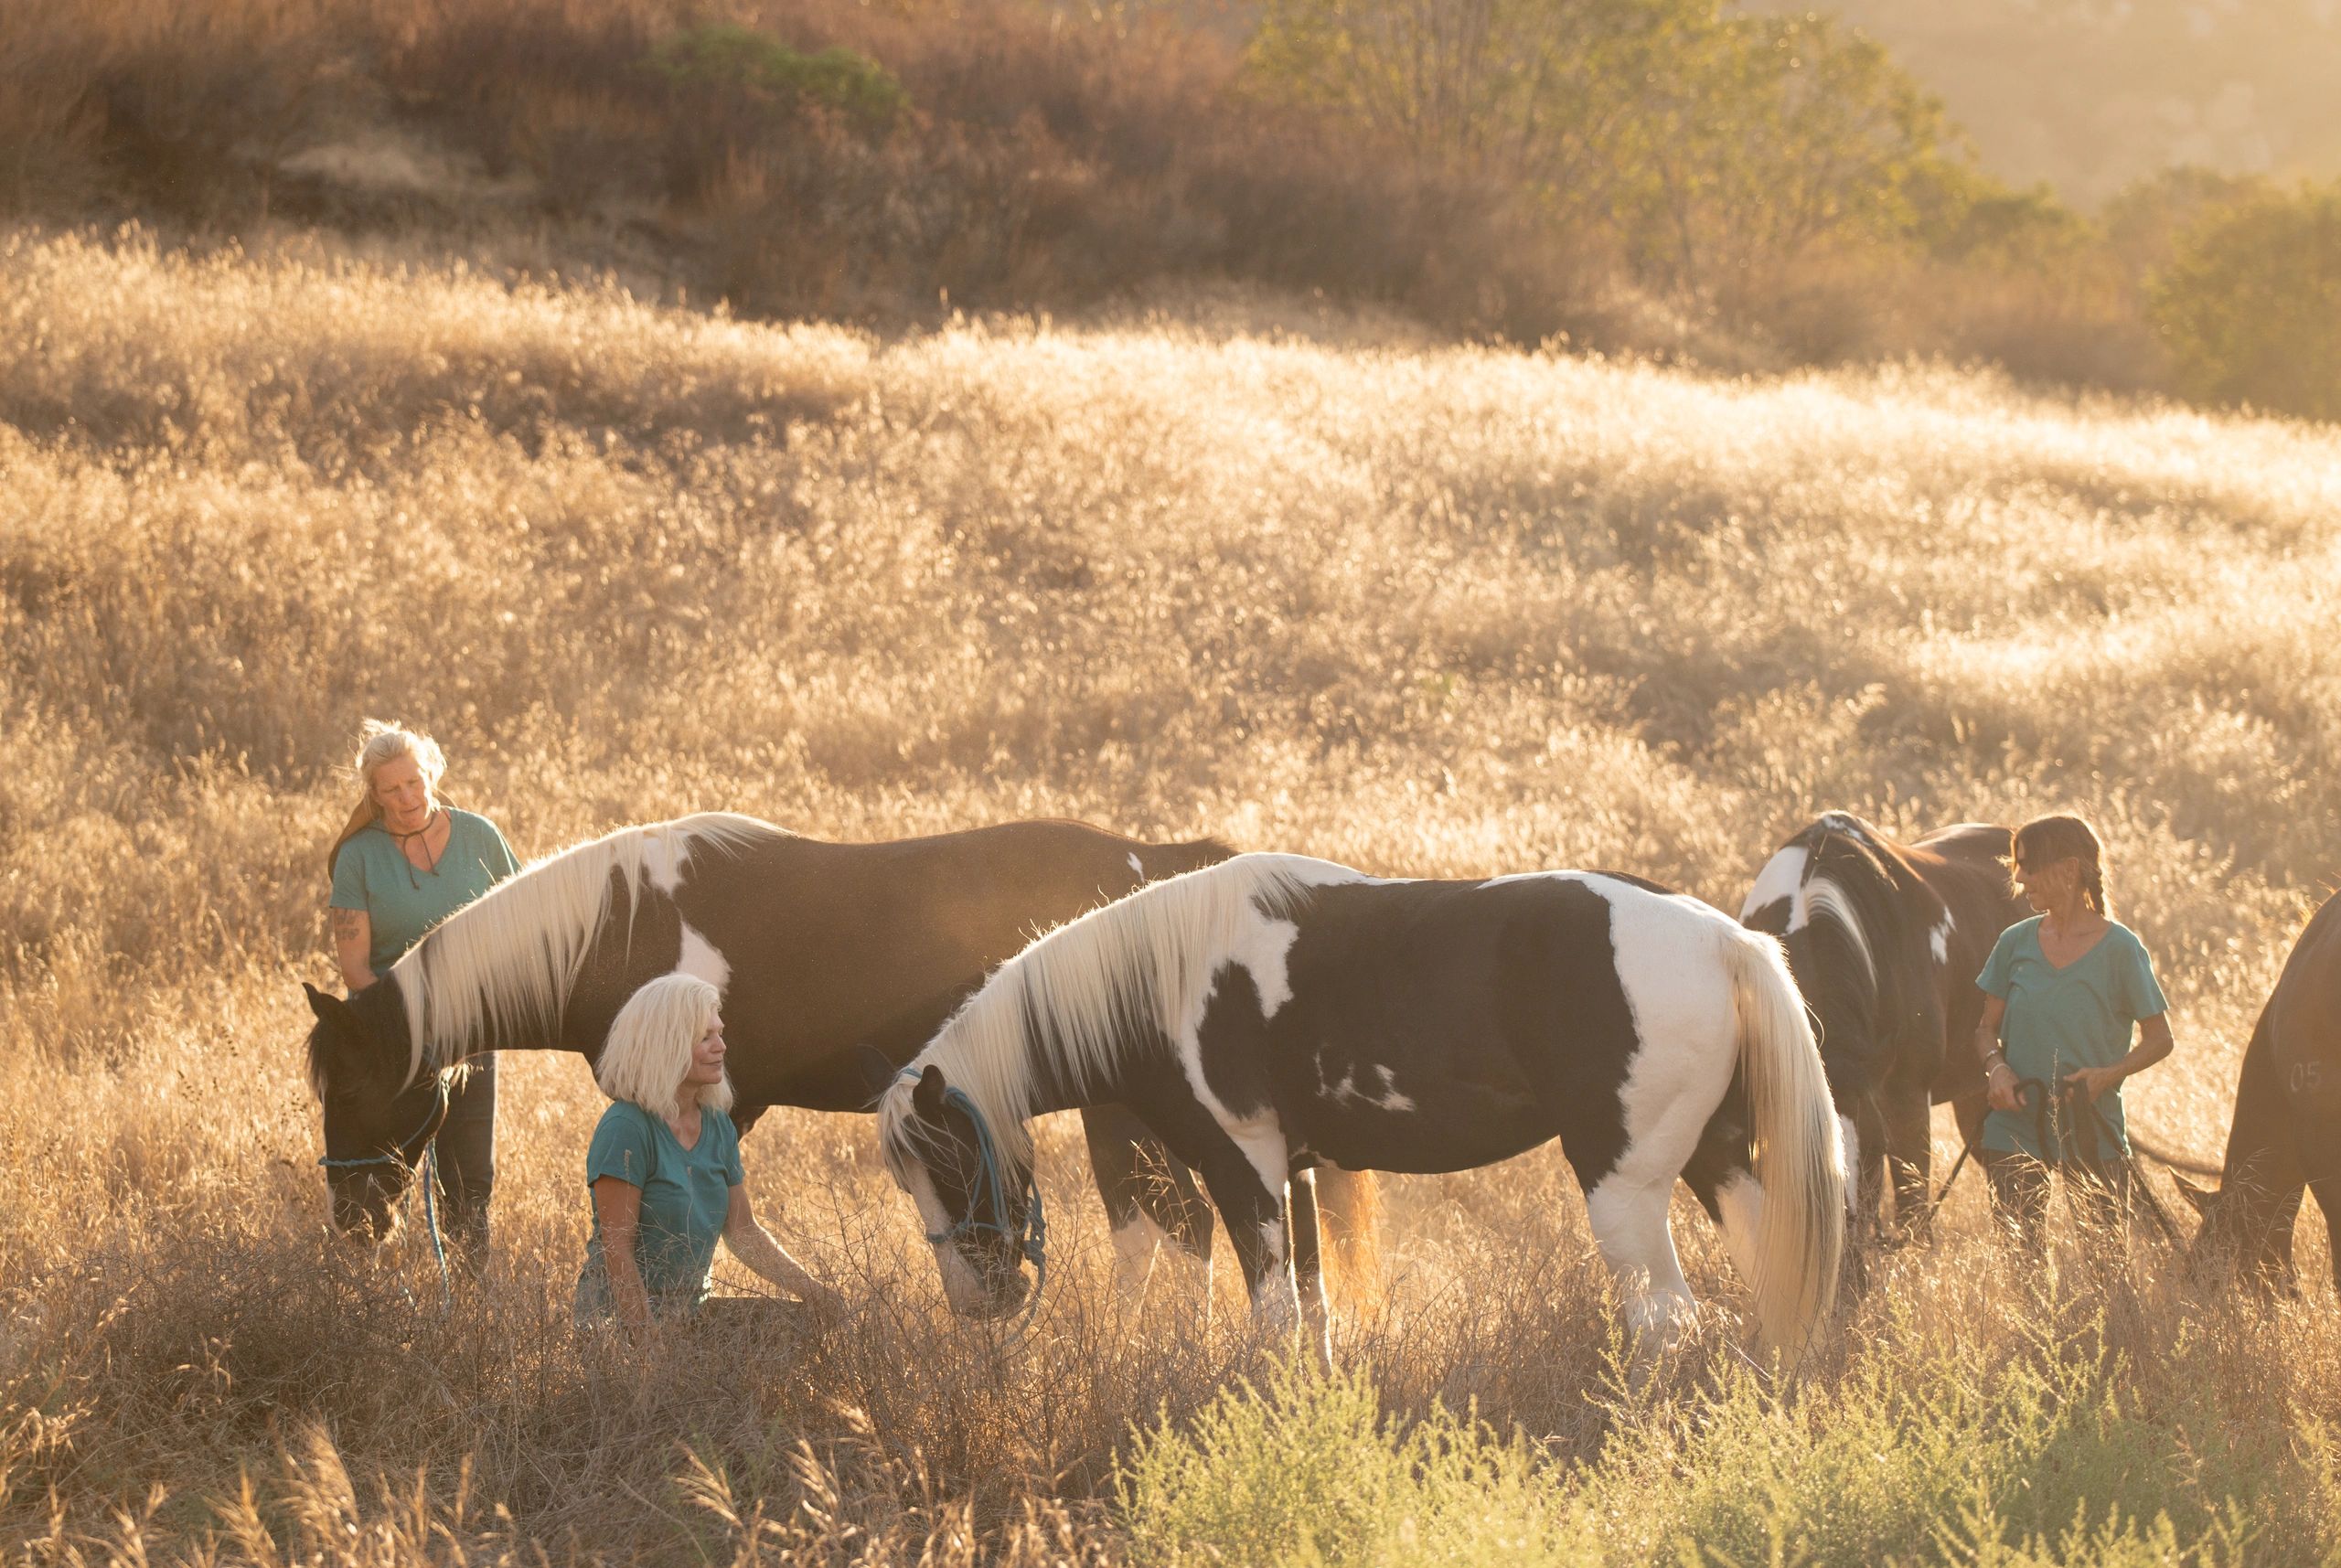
1886	940
1273	1012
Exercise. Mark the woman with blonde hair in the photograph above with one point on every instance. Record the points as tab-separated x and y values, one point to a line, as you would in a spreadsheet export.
2063	993
663	1167
405	862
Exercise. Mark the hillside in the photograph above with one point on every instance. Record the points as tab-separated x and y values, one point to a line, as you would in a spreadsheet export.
1431	609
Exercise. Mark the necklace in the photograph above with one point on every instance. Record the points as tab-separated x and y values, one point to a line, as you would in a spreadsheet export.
431	862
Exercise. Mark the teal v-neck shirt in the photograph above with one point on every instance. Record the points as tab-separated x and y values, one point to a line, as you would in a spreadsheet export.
686	1196
2062	1021
401	899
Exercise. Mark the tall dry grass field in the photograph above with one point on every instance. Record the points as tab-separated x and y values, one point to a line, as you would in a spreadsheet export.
1425	610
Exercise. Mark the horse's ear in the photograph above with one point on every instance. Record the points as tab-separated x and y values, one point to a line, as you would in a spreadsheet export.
928	1095
2201	1198
877	1072
329	1008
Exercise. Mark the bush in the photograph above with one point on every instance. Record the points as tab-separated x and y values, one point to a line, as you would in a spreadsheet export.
2252	309
726	58
1307	1471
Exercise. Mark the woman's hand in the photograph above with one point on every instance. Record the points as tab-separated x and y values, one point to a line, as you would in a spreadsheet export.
824	1302
2094	1080
754	1245
2001	1082
1999	1078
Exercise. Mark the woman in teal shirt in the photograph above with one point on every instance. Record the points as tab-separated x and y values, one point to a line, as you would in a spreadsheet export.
2061	995
405	862
663	1167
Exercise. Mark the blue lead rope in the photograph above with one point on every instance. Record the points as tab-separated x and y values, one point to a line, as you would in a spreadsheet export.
430	1174
1031	1238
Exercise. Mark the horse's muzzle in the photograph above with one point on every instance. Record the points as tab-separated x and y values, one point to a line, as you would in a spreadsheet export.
362	1208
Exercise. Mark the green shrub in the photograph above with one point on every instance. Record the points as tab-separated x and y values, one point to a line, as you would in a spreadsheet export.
1931	1451
2252	309
725	57
1304	1471
1923	1450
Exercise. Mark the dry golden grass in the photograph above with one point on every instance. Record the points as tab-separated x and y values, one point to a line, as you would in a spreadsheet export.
1442	611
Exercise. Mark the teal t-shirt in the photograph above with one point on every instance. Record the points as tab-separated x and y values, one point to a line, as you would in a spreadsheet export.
685	1193
2060	1020
401	899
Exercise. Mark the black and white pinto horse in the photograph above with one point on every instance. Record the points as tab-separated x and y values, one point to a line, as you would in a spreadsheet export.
1272	1011
2286	1135
1886	940
819	949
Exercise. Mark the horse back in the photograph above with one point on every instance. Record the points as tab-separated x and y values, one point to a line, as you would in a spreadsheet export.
824	947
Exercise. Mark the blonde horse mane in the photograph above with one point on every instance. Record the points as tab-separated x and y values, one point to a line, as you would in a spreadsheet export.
508	959
1076	999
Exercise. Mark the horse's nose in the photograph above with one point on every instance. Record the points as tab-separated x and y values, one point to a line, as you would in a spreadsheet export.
361	1212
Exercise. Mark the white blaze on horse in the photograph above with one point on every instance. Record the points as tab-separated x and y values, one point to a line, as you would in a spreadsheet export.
819	949
1886	940
1271	1012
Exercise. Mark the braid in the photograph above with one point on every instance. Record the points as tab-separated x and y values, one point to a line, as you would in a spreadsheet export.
2093	887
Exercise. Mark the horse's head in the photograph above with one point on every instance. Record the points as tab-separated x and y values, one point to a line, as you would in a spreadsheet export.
1854	919
376	1123
2245	1227
977	1202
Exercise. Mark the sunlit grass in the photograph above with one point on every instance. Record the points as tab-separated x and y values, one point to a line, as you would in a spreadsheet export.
1435	610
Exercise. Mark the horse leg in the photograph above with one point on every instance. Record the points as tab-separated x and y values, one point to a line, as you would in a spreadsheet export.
1308	1261
1349	1206
464	1151
1630	1226
1247	1173
1909	1155
1149	1195
1868	1151
2327	1188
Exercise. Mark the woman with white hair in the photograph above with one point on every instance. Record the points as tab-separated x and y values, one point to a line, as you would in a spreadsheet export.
405	862
663	1167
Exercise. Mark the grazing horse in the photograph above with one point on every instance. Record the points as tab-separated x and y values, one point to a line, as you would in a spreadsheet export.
817	948
1272	1011
1886	940
2287	1130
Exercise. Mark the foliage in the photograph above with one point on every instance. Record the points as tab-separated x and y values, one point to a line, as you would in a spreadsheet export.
2251	308
1922	1448
2031	1450
1713	141
727	59
1301	1470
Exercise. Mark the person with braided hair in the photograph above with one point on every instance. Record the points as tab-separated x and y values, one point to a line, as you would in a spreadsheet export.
2063	993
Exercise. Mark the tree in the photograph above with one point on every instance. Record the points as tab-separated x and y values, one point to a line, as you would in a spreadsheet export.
1705	145
2252	309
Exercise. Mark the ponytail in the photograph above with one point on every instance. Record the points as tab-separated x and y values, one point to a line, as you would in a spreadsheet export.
369	812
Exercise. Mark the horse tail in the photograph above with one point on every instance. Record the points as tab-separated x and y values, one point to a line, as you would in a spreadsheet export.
2175	1161
1793	1124
1350	1204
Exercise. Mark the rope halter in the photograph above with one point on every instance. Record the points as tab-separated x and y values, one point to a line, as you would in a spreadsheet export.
1030	1236
427	1150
